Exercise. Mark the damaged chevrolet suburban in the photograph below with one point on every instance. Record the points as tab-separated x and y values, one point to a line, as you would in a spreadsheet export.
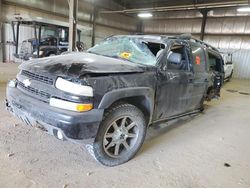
115	90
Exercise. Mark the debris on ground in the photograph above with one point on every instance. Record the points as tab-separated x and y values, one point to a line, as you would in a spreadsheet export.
227	165
16	124
65	185
244	93
10	154
89	173
232	90
32	161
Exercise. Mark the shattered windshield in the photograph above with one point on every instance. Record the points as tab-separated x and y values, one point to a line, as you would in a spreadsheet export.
131	49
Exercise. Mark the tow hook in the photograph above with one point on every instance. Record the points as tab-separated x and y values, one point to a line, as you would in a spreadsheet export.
7	106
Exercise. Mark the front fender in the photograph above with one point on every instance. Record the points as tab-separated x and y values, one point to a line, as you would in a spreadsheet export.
119	94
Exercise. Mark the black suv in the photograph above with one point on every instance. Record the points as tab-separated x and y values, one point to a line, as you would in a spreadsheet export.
115	90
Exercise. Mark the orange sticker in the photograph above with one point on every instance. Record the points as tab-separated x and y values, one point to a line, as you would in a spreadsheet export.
125	55
198	60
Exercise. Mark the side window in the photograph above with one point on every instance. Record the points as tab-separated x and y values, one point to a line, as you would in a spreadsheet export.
199	58
215	63
177	58
155	47
49	42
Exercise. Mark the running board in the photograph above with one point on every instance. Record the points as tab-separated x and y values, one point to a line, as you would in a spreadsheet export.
175	117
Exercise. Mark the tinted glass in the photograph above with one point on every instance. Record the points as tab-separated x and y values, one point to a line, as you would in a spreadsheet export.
199	58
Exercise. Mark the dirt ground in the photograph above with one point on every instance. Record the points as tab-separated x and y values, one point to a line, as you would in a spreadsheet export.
206	150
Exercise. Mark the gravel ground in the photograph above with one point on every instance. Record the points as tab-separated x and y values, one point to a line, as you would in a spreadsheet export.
206	150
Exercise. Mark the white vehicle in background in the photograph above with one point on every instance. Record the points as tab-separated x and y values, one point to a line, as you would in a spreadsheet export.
228	65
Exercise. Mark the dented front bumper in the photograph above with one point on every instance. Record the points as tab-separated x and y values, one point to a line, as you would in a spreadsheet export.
72	125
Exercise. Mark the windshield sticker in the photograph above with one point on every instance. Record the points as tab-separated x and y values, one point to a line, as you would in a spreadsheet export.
125	55
198	60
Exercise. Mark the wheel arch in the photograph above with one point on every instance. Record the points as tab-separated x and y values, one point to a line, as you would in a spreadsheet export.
141	97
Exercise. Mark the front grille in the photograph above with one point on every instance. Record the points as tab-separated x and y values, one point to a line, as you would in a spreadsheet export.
38	77
34	91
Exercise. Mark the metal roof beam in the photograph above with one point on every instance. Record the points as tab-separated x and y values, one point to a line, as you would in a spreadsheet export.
183	7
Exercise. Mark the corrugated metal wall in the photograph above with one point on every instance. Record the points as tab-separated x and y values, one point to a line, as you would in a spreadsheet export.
226	29
1	46
241	59
229	42
173	26
1	43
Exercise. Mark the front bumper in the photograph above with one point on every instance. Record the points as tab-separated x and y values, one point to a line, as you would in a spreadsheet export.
73	125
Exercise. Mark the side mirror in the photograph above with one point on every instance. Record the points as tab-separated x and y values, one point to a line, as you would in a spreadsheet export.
174	58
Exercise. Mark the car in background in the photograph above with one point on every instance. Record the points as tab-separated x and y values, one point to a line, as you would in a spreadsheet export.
53	42
228	65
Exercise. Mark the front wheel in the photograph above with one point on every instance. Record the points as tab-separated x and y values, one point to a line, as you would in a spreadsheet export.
120	136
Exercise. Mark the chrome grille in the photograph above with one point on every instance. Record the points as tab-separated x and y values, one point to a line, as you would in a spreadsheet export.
37	77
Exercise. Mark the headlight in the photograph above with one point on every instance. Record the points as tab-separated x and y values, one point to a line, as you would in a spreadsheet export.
73	88
67	105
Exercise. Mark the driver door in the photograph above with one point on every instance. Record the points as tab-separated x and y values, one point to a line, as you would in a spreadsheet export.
174	86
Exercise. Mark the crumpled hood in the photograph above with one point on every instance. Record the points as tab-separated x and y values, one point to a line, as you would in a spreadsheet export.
80	63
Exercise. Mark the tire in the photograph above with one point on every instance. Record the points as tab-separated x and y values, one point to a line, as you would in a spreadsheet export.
230	77
51	55
202	107
123	123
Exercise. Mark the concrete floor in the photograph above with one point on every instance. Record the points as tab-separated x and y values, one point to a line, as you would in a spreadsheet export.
7	71
191	152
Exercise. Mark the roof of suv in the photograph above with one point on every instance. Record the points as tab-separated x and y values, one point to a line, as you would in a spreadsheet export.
165	38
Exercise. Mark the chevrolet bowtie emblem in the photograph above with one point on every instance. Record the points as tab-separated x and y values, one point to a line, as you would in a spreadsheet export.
27	82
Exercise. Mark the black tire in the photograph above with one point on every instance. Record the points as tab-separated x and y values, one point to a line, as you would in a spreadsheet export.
51	54
230	77
132	117
202	106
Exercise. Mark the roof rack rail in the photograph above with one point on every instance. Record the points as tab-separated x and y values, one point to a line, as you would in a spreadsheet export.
190	37
204	43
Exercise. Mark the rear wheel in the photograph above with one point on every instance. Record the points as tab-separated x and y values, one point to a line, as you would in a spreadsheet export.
230	77
202	108
120	136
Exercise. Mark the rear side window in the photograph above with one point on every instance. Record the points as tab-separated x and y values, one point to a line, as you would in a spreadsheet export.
199	58
215	63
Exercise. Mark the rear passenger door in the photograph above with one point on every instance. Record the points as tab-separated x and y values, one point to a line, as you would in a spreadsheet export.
201	75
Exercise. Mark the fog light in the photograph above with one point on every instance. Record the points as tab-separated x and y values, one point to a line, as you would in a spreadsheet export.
59	135
12	83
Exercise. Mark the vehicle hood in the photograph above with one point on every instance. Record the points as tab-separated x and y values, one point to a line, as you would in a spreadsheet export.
80	63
